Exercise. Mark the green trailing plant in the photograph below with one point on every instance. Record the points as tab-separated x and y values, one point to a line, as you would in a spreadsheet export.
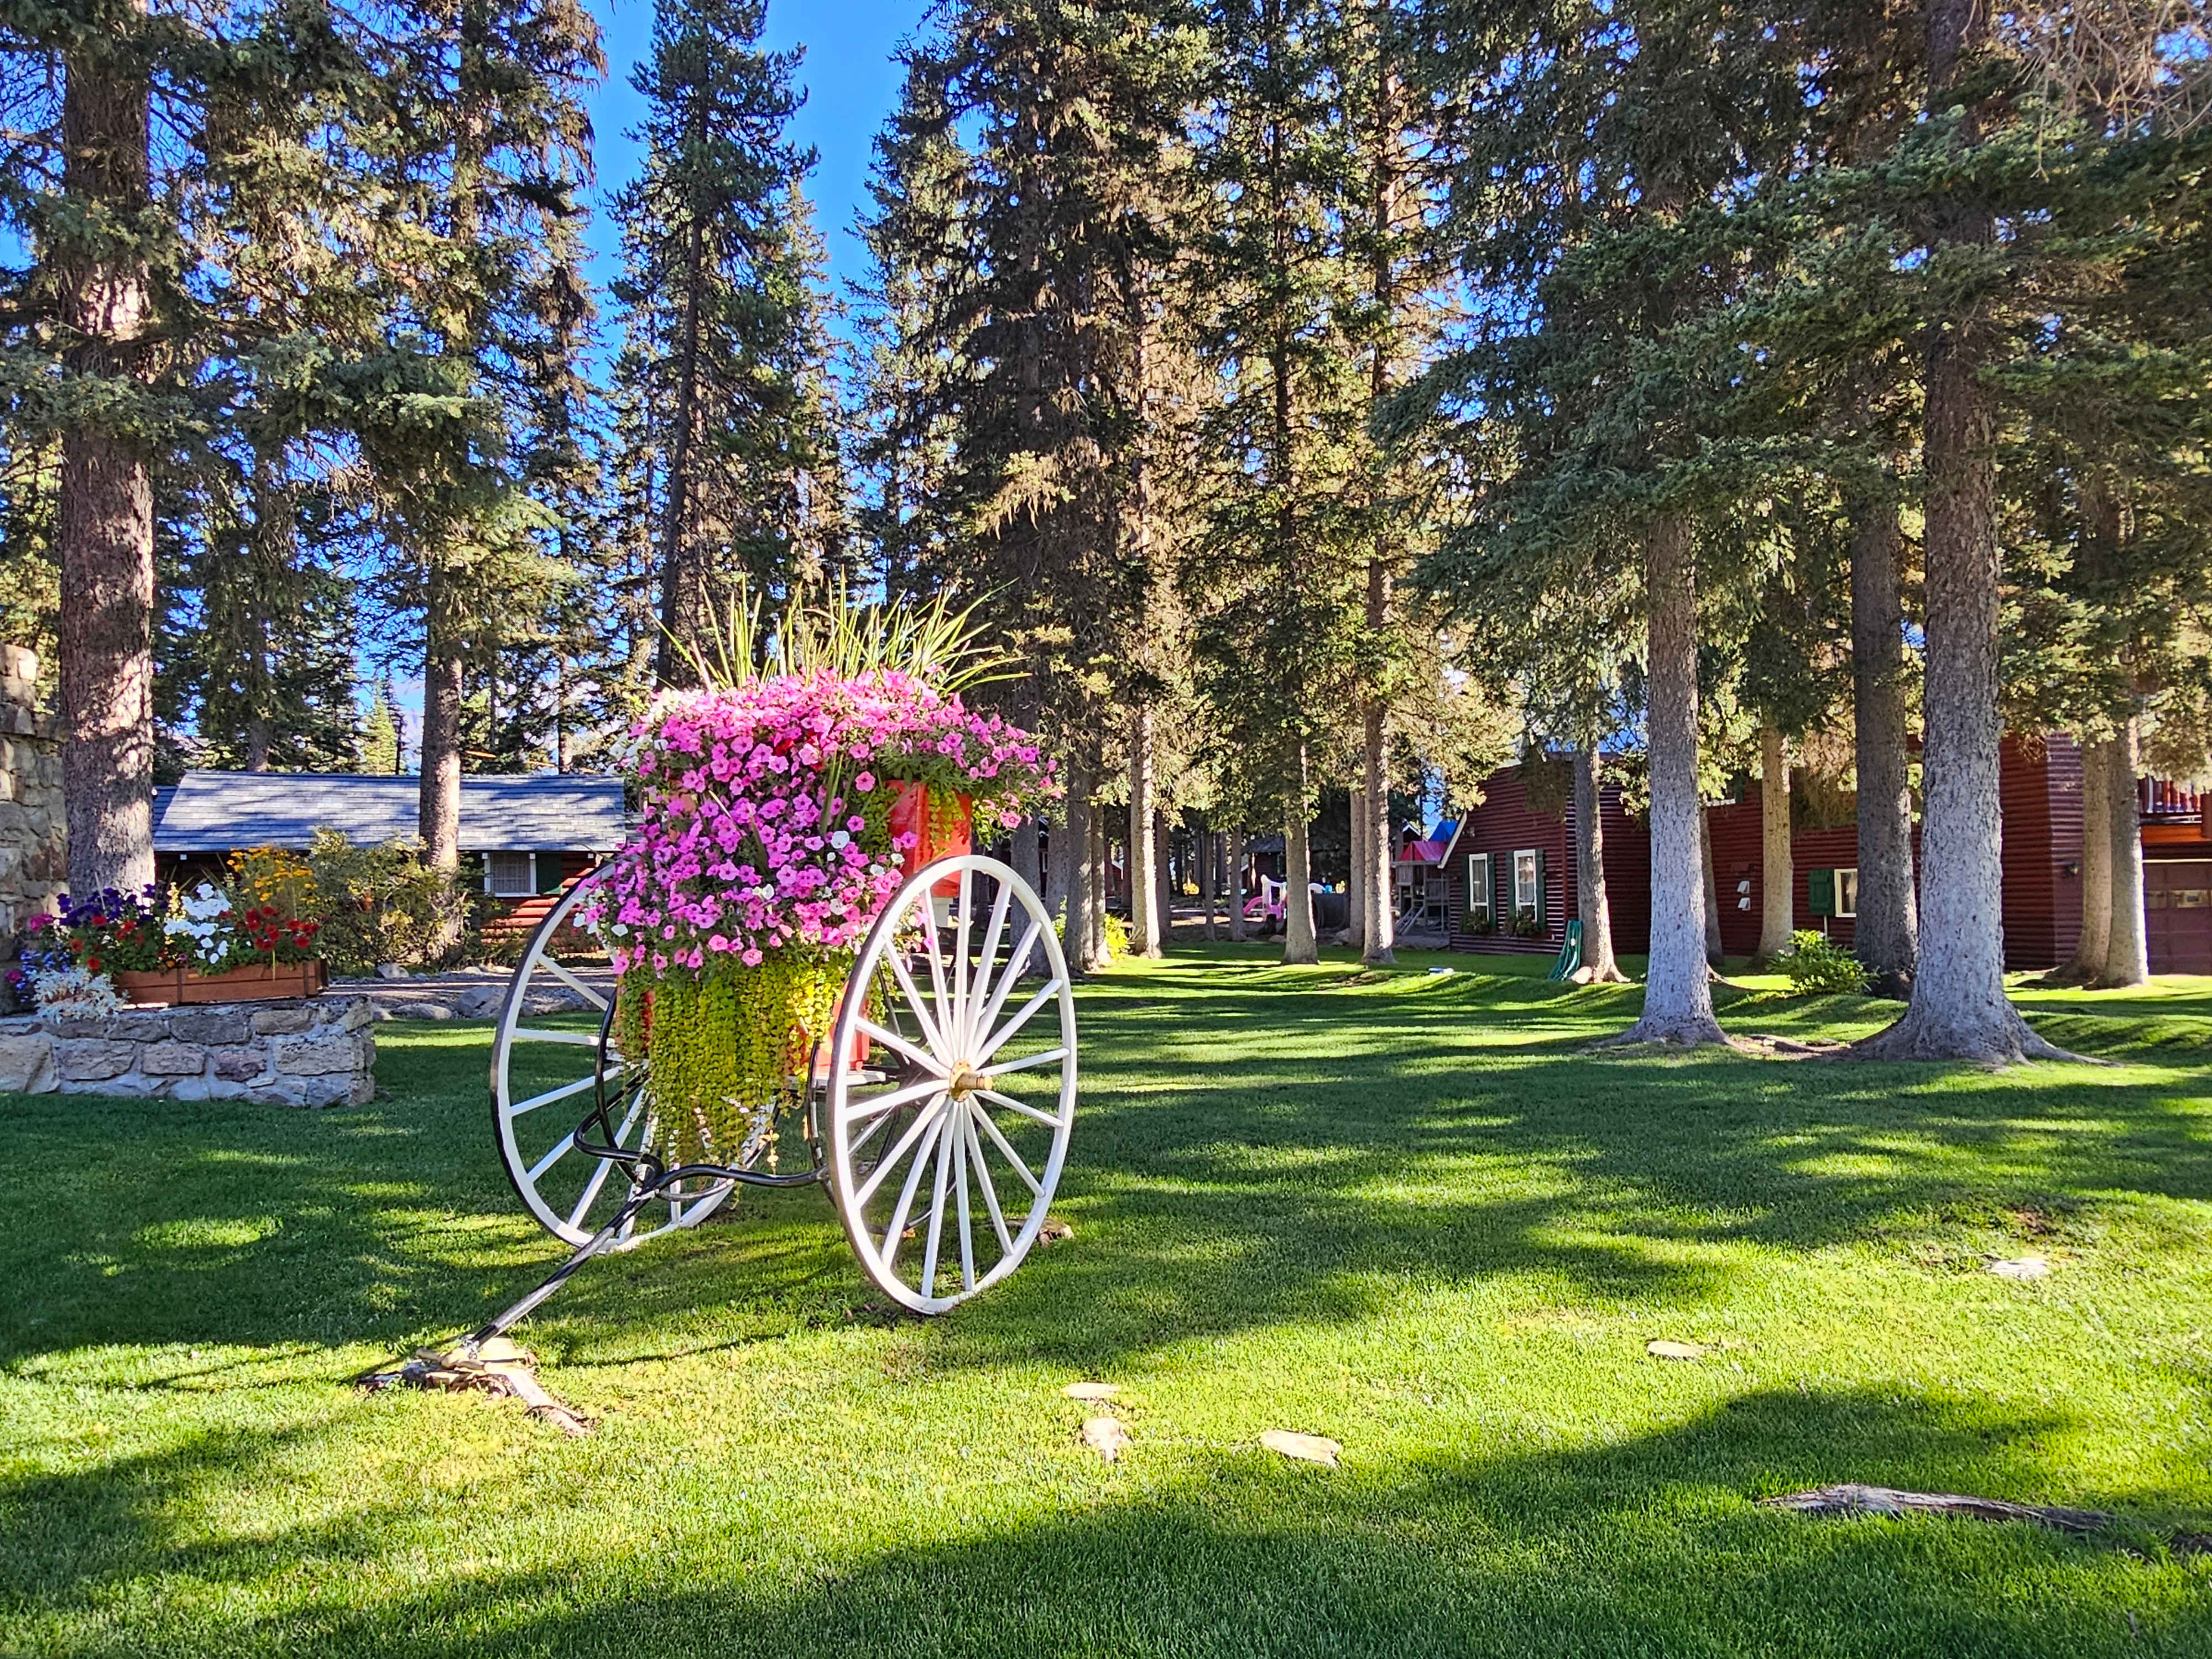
1818	966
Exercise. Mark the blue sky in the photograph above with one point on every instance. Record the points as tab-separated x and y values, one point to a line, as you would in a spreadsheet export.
851	85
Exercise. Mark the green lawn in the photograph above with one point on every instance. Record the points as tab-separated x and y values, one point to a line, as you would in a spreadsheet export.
1400	1210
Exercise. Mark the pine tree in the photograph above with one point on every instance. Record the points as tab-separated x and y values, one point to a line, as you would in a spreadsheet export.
724	323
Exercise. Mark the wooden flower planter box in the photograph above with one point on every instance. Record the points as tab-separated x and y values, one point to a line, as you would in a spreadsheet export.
261	981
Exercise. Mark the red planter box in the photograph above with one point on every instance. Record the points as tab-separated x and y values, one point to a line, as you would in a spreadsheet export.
943	833
260	982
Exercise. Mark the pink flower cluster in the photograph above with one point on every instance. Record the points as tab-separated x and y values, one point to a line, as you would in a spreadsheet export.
765	818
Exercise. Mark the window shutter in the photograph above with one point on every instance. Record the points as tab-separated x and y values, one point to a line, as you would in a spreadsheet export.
1820	889
549	872
1543	919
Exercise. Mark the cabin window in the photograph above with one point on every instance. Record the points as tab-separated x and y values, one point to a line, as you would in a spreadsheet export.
1528	885
511	875
1847	892
1478	911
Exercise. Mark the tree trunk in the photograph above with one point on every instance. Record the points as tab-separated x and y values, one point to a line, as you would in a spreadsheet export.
2127	953
1777	874
439	808
1298	943
2093	943
1022	855
1590	901
1078	830
105	528
1142	866
1094	906
1959	1010
1678	1002
1382	849
1164	863
1886	935
1355	884
1208	877
1238	838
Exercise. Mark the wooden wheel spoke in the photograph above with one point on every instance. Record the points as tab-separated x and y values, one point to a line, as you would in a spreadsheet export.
540	1033
1006	1151
992	934
923	1129
944	998
550	1096
999	1038
958	1024
960	1211
1024	1063
898	1044
573	983
1012	976
915	1001
867	1110
935	1238
1050	1119
990	1190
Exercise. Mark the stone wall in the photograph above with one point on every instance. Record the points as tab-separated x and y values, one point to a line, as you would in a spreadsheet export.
34	849
312	1051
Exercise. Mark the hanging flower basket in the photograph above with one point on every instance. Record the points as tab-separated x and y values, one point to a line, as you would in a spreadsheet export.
778	816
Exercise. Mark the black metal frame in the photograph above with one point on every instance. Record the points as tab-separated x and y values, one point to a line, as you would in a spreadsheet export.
651	1180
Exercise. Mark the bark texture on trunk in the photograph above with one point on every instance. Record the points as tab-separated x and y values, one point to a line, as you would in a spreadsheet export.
1146	928
438	800
1209	845
1590	901
105	527
1678	1001
1885	936
1382	929
1959	1010
1298	943
2127	951
1023	855
1238	837
1080	831
2091	945
1355	887
1777	875
1094	906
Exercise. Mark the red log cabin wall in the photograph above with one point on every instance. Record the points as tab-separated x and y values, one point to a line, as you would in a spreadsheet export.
2040	788
1505	824
516	919
1738	855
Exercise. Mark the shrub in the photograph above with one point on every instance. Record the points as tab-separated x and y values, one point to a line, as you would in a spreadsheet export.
1818	966
382	904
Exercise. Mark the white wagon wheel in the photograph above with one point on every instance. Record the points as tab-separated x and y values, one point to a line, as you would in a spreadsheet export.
543	1070
943	1168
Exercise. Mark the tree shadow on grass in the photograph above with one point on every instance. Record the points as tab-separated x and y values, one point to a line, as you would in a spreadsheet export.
1650	1544
1246	1154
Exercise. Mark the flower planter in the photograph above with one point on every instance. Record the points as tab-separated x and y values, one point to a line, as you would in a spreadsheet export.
259	982
944	829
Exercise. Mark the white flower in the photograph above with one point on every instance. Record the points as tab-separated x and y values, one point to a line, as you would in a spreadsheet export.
840	839
77	991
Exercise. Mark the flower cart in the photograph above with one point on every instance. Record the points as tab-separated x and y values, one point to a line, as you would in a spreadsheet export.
816	981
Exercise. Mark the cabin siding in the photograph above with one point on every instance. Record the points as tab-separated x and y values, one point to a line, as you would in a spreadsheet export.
1740	855
1503	824
2039	793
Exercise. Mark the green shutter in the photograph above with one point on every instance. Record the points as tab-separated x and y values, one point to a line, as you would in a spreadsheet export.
1820	888
549	872
1542	893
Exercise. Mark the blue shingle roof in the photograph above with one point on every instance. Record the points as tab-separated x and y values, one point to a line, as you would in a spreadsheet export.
547	812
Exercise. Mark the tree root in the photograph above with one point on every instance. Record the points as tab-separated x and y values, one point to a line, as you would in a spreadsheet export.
1672	1034
2011	1040
1852	1499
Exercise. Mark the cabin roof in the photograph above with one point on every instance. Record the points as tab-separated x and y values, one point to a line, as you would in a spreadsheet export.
544	812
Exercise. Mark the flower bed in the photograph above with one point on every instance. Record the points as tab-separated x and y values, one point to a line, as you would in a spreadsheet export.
778	818
248	942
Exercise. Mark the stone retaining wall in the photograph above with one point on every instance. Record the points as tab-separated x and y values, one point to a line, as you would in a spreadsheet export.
312	1051
33	844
